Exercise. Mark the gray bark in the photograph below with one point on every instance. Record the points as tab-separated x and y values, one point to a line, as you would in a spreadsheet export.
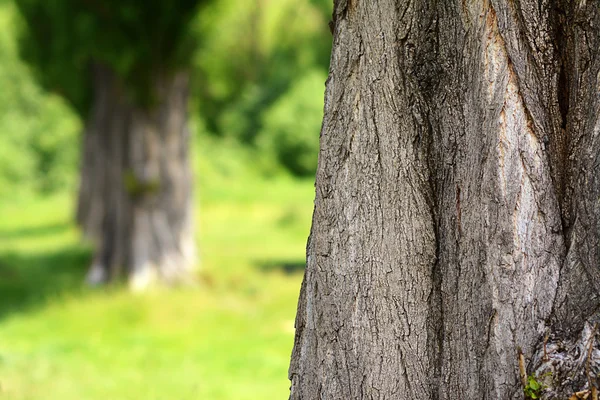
457	211
135	199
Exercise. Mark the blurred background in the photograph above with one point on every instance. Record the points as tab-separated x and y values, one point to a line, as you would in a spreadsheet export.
257	69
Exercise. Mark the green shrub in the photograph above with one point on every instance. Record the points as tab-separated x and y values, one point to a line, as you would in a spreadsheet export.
292	125
38	131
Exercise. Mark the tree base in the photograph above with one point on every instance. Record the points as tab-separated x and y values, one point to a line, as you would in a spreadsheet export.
567	368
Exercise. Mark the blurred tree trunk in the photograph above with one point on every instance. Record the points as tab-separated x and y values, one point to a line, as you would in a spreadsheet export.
457	211
135	198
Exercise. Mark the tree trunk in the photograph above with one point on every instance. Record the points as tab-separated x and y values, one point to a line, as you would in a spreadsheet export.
457	211
135	199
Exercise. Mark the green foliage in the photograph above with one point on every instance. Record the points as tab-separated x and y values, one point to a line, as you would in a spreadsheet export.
259	70
324	6
62	39
533	390
135	187
38	132
291	126
244	73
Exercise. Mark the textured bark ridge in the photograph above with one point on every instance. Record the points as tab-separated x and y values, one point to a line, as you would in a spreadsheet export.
135	199
457	211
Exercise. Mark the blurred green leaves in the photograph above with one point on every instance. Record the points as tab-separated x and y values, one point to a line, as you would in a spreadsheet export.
291	125
260	73
259	68
38	132
138	40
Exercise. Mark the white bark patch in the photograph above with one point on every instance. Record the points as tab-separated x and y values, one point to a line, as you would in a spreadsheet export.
494	57
96	275
515	138
143	272
143	277
519	159
523	276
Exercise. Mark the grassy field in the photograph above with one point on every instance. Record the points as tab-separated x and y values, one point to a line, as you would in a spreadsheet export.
230	338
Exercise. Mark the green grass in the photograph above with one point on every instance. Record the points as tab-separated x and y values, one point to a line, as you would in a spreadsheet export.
230	338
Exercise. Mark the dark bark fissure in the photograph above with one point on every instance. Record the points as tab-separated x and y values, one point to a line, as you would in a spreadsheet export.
456	214
135	195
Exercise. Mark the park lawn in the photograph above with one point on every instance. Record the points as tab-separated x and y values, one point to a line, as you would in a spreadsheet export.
229	338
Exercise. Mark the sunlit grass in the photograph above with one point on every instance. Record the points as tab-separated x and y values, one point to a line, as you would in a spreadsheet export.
230	338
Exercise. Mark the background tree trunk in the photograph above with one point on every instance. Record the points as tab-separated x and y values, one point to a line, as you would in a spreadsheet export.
135	198
457	212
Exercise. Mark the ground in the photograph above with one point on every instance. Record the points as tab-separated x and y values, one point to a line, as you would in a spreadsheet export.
229	338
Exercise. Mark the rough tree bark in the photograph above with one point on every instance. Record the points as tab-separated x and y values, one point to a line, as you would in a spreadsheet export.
135	198
457	211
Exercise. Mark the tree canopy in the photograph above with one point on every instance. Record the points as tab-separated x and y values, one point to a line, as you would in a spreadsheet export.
63	38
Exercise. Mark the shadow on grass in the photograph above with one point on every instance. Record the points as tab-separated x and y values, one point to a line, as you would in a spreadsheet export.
31	279
43	230
286	266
